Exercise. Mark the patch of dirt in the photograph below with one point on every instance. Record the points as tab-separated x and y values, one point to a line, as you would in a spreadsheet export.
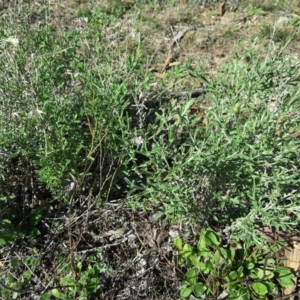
136	247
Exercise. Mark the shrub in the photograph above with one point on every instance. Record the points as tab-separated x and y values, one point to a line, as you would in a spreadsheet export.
239	170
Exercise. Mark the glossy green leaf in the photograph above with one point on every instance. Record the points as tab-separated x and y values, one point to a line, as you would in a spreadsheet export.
191	276
232	275
210	266
224	253
201	246
199	289
241	294
269	274
207	254
260	288
250	265
286	281
192	261
284	276
178	243
202	266
212	239
187	250
56	293
5	224
284	271
271	262
270	285
240	272
257	274
185	292
218	259
230	254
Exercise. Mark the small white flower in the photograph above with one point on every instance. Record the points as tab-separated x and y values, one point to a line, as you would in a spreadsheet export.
138	140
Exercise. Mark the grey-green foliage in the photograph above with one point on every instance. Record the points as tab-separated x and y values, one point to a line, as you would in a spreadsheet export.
240	166
63	101
39	116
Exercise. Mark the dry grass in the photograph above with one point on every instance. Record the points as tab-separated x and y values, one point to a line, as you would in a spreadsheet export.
215	39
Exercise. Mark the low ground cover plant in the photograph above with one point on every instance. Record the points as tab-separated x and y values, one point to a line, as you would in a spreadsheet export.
86	123
239	273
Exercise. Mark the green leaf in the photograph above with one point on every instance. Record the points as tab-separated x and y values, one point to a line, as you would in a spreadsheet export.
284	271
224	253
212	239
286	281
186	107
269	274
257	274
260	288
67	280
178	243
270	285
92	284
201	244
250	265
278	245
7	237
191	276
210	266
232	275
5	224
37	214
45	296
271	262
242	294
202	266
192	261
284	276
187	250
15	263
218	259
27	274
35	251
10	278
231	254
240	272
56	293
207	254
199	289
185	292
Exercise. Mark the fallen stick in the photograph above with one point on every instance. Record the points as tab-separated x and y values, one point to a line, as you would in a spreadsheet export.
193	94
180	35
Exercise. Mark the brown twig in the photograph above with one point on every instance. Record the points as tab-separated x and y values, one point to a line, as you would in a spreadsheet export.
180	35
